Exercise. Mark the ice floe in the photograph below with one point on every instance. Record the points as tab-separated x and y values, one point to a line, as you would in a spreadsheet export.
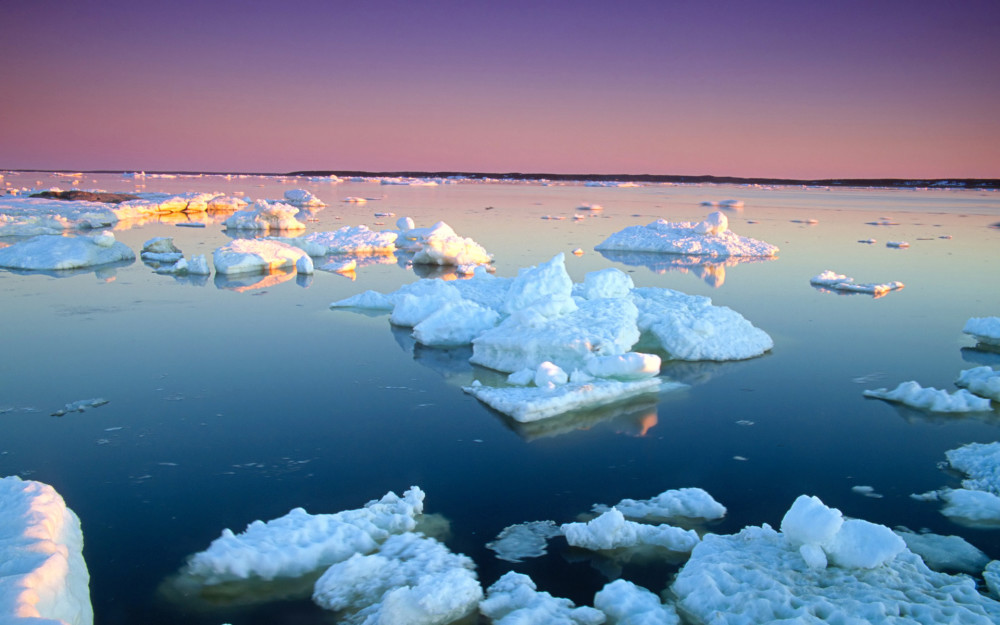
80	405
440	245
264	216
838	282
945	553
53	252
931	399
303	199
299	543
682	503
410	580
514	599
524	540
347	240
21	216
761	576
624	603
611	531
260	256
897	244
711	237
43	576
986	330
983	381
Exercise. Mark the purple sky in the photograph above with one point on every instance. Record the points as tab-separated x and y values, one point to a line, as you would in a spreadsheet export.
783	88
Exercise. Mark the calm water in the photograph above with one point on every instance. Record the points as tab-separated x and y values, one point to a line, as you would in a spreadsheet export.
230	403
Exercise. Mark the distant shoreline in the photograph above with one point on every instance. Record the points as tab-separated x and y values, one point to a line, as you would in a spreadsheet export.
901	183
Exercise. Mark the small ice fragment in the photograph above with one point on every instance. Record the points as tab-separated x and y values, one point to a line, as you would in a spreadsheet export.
526	540
897	244
867	491
578	251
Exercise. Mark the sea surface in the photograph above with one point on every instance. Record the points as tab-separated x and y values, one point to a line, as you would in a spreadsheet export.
236	400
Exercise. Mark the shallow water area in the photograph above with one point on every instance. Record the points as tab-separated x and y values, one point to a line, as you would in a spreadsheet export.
240	398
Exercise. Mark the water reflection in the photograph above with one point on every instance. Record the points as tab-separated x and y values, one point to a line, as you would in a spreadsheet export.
242	283
104	273
711	270
981	355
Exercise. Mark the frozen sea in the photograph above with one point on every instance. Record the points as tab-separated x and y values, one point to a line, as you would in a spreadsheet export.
231	400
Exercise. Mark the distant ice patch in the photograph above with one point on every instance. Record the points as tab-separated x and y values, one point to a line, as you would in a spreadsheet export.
711	237
838	282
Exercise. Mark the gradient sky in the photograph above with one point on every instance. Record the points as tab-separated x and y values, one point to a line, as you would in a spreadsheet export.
783	88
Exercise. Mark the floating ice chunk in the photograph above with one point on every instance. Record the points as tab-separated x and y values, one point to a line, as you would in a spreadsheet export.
346	240
80	405
707	238
682	503
439	245
43	574
972	508
624	603
590	207
630	366
161	250
52	252
758	576
526	540
454	323
689	327
300	543
810	521
420	300
150	204
368	300
605	283
867	491
945	553
986	330
982	381
604	327
526	404
35	216
611	531
897	244
265	216
931	399
541	284
303	198
861	544
411	580
980	462
259	256
841	282
731	204
515	600
355	200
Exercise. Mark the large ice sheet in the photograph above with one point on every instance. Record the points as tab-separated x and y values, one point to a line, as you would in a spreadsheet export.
711	237
259	256
411	580
43	576
986	330
612	531
682	503
932	399
689	327
53	252
299	542
514	599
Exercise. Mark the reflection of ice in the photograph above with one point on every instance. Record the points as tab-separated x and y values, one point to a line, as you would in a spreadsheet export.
242	283
635	416
981	355
711	270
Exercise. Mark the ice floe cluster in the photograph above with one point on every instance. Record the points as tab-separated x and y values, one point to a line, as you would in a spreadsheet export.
165	257
43	576
567	346
977	502
710	237
838	282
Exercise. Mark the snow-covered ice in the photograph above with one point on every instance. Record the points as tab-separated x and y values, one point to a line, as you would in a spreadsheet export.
524	540
299	543
440	245
260	256
264	216
624	603
986	330
711	237
761	576
611	530
410	580
53	252
983	381
514	599
43	576
346	240
455	323
27	216
931	399
303	199
838	282
682	503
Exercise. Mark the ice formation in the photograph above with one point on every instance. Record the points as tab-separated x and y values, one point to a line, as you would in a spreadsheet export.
53	252
150	204
682	503
80	405
992	578
932	399
346	240
411	580
265	216
43	576
300	543
986	330
20	216
525	540
612	531
711	237
977	503
439	245
983	381
762	576
624	603
897	244
303	199
839	282
515	600
259	256
945	553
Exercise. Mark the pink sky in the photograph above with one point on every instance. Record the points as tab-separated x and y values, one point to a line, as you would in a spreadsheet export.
778	89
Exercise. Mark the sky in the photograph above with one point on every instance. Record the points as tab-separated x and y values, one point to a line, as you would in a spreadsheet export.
779	88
